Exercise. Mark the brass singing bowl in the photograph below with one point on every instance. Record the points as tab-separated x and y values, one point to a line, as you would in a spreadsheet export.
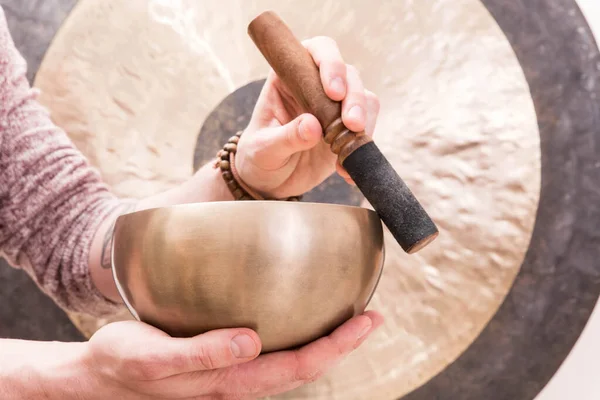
291	271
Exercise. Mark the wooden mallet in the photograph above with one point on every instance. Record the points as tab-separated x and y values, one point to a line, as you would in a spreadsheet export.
393	201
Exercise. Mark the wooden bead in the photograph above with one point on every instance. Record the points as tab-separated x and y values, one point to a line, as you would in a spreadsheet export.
342	139
333	130
234	139
224	165
225	156
238	134
232	185
230	147
238	193
228	176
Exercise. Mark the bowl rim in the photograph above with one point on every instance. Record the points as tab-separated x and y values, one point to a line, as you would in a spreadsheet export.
251	203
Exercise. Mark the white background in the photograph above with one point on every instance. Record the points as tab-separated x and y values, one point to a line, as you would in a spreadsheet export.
579	376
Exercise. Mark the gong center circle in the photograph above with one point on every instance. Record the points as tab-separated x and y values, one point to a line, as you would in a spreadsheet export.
457	122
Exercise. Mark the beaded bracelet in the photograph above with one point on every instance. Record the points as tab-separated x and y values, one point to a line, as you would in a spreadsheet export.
226	162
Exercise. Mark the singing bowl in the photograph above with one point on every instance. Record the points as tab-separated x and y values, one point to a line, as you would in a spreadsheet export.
291	271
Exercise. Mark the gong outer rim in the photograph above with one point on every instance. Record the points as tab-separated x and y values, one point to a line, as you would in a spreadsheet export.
558	285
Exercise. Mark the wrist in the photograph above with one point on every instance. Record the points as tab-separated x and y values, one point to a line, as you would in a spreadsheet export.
64	374
45	371
205	186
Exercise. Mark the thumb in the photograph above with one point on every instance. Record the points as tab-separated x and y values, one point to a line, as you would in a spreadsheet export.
147	353
213	350
280	143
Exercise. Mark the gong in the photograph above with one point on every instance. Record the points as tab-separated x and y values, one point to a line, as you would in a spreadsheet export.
488	111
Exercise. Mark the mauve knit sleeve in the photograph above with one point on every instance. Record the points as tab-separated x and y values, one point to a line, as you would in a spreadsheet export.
51	200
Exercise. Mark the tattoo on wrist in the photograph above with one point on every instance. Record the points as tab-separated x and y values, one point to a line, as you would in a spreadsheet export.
105	256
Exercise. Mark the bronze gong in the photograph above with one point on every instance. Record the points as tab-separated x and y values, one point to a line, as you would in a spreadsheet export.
470	118
153	92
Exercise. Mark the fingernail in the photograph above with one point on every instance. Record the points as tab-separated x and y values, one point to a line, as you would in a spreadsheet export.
365	330
242	346
356	113
303	130
338	85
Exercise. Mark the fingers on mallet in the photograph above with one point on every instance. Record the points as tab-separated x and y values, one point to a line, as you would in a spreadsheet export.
332	68
373	107
279	143
309	129
354	105
301	134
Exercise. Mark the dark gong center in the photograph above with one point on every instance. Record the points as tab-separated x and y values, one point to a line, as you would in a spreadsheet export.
232	115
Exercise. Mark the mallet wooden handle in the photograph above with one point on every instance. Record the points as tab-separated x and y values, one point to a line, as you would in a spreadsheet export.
373	174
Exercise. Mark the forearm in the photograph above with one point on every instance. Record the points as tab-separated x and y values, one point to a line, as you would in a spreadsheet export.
213	188
51	200
42	370
56	214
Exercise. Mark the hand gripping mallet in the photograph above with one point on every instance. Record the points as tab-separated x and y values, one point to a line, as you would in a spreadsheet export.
393	201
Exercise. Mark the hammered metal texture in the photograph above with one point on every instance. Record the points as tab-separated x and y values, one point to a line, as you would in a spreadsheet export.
132	83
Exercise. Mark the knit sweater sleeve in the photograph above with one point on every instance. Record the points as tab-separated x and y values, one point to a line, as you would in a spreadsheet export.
51	200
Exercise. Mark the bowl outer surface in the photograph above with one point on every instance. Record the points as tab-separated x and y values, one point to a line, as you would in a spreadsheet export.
291	271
